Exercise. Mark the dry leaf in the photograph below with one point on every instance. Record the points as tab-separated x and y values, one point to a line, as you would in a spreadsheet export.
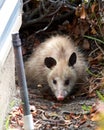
83	12
86	45
100	107
83	121
95	117
67	117
99	57
102	80
77	12
73	116
93	7
93	31
99	128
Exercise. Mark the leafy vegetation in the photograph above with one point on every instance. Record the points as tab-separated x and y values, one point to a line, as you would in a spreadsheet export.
86	108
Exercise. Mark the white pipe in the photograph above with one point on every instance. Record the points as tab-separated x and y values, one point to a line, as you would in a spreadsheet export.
28	122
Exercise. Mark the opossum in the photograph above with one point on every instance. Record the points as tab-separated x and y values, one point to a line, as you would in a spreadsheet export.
58	64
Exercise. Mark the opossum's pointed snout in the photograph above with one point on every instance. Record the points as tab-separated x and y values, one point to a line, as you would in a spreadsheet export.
60	98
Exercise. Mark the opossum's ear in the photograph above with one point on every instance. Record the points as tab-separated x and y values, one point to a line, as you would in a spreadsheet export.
49	62
72	59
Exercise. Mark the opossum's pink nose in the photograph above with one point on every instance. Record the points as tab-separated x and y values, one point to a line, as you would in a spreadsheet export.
60	98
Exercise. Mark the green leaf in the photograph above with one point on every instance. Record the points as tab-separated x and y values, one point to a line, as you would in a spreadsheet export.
86	108
101	96
93	38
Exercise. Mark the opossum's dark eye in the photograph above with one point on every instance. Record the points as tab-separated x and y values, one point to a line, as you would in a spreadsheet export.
54	81
67	82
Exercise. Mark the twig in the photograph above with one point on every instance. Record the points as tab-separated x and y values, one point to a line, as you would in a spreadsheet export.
56	10
26	2
99	47
44	19
45	28
30	22
93	51
45	9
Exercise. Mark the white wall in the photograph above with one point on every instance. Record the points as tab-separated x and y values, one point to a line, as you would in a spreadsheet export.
10	22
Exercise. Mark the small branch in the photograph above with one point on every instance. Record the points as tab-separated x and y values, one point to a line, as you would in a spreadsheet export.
99	48
26	2
45	20
45	28
93	51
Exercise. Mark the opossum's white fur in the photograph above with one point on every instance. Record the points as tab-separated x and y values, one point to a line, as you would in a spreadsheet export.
60	48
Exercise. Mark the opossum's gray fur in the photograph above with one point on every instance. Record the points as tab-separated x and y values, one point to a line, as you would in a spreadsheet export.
50	65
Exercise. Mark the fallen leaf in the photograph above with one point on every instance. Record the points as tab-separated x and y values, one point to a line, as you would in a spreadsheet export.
94	117
83	121
83	12
20	122
93	7
73	116
67	117
77	12
93	31
99	57
86	44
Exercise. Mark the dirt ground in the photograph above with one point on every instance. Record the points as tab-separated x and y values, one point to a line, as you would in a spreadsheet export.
48	113
66	115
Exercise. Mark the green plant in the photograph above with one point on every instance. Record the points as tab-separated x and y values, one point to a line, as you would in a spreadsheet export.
94	38
100	96
7	122
95	75
86	108
12	103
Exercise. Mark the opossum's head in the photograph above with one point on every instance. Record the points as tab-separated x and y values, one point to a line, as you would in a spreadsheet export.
62	76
